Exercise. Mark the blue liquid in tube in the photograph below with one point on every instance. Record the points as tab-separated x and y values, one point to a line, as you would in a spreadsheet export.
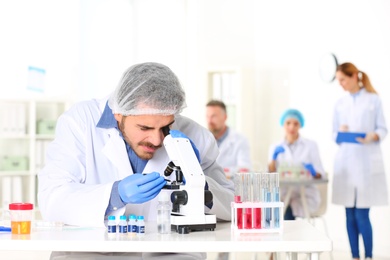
276	210
268	212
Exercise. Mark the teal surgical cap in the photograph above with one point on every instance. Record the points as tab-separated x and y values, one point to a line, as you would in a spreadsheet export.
292	113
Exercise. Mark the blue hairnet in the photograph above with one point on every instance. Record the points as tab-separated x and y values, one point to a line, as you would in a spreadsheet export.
292	113
148	89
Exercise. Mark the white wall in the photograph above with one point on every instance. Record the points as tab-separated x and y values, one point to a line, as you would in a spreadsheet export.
40	33
106	46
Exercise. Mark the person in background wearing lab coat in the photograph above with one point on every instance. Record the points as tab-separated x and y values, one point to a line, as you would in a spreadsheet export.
108	156
234	150
298	151
359	180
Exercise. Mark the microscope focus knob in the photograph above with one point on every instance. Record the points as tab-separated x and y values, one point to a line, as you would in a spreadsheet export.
179	197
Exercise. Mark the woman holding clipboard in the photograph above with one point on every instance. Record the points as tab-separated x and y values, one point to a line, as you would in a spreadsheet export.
359	180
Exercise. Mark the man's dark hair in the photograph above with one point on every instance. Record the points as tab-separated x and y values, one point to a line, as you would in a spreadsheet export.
216	103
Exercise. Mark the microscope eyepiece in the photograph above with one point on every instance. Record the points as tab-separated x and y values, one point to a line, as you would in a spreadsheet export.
170	168
166	130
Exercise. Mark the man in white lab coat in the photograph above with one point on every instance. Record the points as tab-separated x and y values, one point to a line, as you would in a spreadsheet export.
95	164
234	150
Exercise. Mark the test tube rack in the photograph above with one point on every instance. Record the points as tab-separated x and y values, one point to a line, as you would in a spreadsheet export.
293	172
257	207
257	217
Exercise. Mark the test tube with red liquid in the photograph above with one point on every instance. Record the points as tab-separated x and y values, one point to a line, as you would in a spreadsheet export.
238	183
247	193
256	211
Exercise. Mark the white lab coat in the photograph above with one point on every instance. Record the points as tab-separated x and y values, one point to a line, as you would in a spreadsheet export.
305	151
234	152
359	174
84	161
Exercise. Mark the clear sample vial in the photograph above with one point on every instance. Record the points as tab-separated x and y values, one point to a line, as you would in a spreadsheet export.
164	213
140	225
111	226
122	226
132	225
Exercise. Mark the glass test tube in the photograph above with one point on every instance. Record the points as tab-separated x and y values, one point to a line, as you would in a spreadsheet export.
238	188
256	212
266	198
268	212
263	197
276	198
247	191
297	170
289	170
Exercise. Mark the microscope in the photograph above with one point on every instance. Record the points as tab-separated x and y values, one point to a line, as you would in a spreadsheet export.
189	195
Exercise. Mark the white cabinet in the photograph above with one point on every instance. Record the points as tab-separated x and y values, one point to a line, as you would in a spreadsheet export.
26	128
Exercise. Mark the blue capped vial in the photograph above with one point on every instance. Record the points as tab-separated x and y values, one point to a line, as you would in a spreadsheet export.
140	225
132	225
122	225
111	225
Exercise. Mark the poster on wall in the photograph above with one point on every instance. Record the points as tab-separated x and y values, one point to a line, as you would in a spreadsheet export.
36	79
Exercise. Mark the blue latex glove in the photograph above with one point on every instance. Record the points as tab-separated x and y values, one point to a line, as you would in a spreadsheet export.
139	188
310	168
279	149
178	134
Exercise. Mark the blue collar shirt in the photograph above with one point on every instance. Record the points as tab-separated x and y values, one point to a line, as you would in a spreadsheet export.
107	120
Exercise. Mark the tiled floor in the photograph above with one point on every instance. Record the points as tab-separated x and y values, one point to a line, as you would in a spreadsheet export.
211	256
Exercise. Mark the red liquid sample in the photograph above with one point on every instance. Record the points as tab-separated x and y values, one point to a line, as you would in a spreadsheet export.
257	218
248	218
237	199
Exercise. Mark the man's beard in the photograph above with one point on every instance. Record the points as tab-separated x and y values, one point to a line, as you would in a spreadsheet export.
214	130
146	156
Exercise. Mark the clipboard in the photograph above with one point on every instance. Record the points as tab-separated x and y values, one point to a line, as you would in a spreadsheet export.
349	137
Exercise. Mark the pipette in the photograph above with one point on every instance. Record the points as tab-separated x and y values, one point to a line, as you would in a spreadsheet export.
5	229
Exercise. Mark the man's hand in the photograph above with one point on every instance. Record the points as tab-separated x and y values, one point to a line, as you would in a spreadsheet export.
139	188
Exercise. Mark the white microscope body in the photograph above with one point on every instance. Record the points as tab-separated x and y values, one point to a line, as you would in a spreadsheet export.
191	215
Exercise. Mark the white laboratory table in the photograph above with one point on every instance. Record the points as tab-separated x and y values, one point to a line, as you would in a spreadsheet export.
297	237
301	183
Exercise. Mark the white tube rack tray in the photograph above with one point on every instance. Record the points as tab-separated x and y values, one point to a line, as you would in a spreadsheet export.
257	217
